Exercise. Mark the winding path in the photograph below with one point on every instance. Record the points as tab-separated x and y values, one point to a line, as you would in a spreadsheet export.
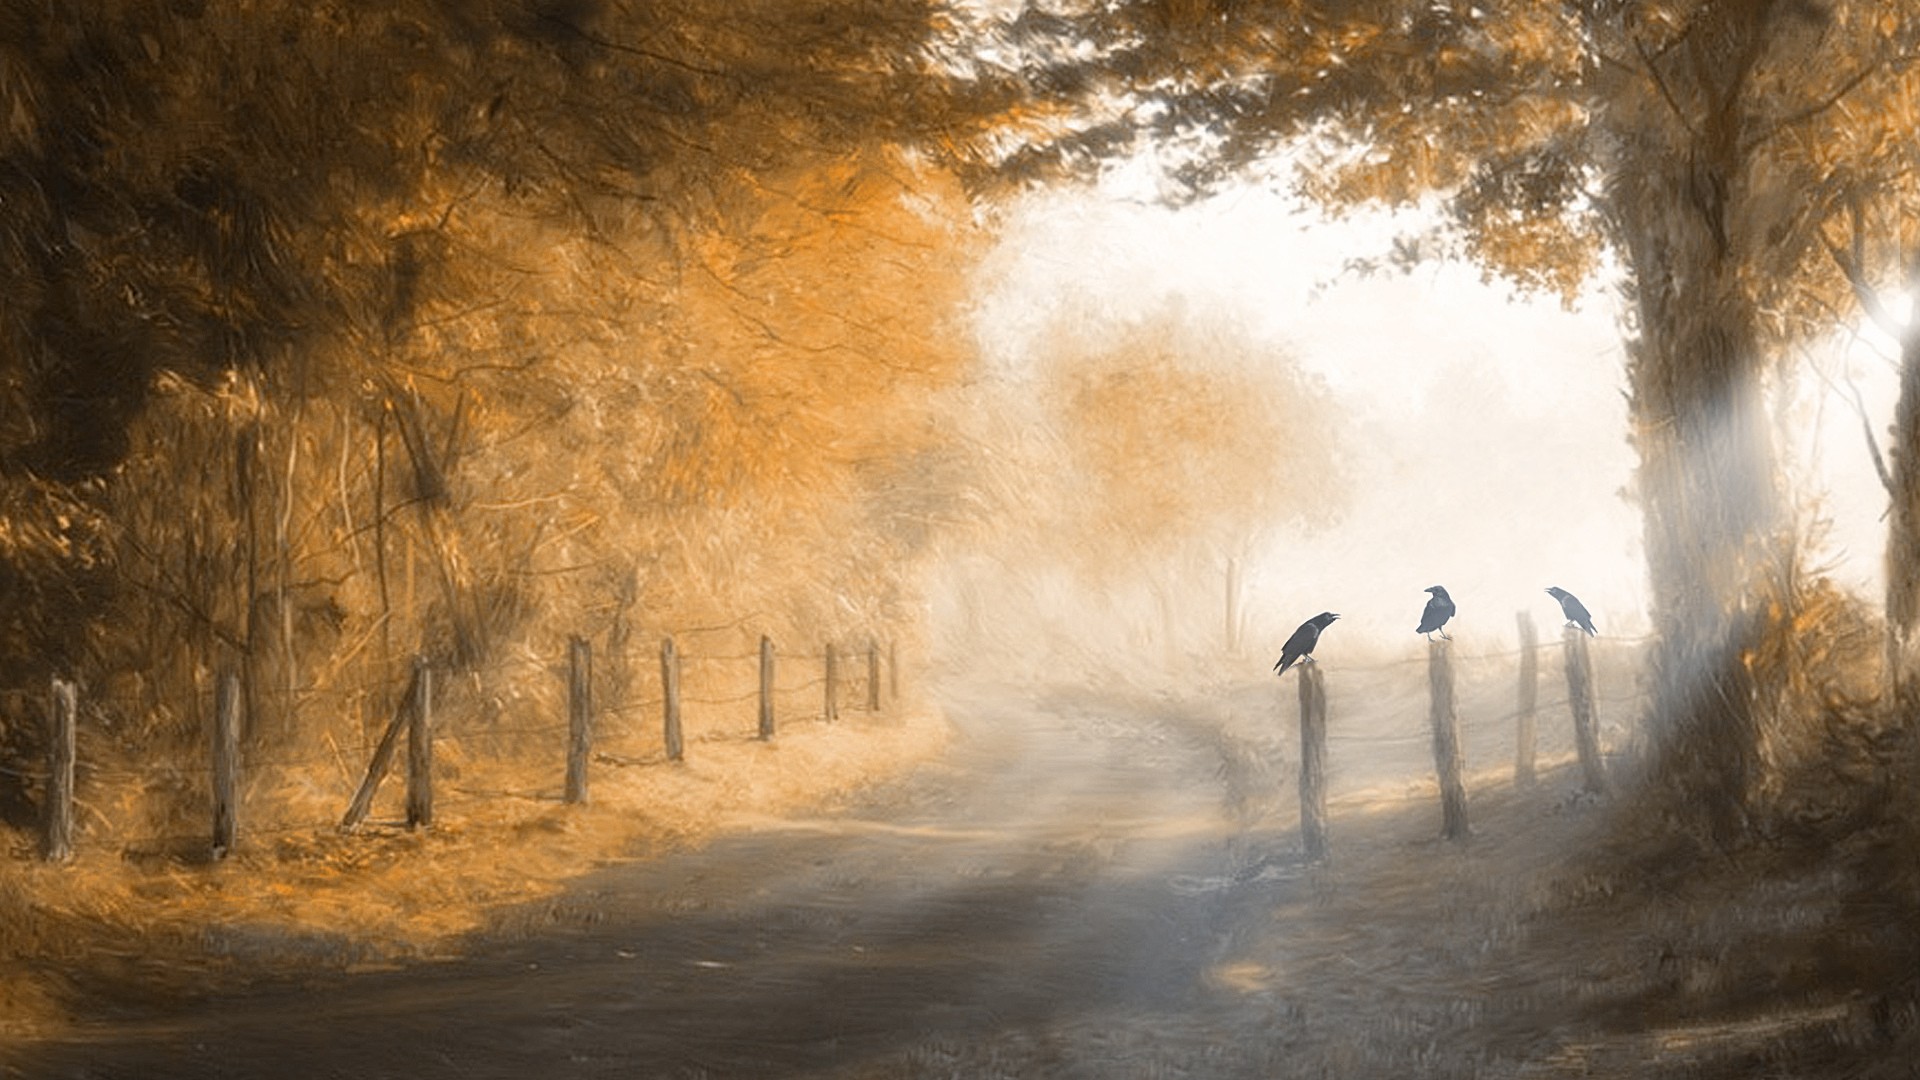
1059	897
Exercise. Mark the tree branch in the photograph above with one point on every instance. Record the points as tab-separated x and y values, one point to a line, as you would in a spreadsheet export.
1847	86
1859	406
1851	267
632	50
1666	94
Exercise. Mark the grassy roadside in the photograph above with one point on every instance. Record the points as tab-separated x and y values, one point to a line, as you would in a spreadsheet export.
1573	935
106	933
1576	937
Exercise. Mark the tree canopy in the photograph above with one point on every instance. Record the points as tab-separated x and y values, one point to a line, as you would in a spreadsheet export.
343	331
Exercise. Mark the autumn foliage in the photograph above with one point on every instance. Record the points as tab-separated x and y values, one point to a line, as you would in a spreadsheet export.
342	333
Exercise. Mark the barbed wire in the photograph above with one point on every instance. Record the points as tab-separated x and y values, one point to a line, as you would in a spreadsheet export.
1477	658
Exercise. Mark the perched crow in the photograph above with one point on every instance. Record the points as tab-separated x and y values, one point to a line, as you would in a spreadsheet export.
1300	645
1573	609
1439	609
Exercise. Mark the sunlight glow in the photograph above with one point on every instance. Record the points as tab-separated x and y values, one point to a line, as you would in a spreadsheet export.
1482	440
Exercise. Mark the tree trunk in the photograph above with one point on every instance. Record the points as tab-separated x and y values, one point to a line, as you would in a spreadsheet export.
1707	479
1711	517
1903	534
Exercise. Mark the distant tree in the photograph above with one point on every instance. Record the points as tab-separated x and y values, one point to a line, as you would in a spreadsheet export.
1702	142
1185	449
1139	452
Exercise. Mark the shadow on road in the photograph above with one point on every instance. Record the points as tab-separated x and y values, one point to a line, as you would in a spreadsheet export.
1084	888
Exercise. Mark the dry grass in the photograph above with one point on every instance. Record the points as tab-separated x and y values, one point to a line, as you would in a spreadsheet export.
1575	936
110	928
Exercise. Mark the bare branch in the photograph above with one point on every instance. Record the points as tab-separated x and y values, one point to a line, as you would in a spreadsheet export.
1850	265
1859	406
632	50
1847	86
1666	94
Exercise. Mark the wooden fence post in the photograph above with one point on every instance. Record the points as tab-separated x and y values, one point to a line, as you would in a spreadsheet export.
1528	704
1586	717
579	717
670	699
1313	762
893	672
382	757
1447	758
420	748
226	764
832	707
61	754
766	687
873	675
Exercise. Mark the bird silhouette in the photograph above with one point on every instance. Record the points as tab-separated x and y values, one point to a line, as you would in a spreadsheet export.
1300	645
1573	609
1439	609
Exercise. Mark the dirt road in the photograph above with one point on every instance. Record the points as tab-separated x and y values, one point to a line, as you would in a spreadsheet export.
1060	897
1106	889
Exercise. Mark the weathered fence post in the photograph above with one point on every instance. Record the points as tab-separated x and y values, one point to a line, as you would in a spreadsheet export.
873	675
893	672
226	764
60	764
382	756
420	748
1586	716
1313	762
1447	758
579	717
766	687
670	699
1528	704
832	706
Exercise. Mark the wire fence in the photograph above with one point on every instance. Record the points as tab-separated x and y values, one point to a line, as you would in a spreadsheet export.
1426	718
511	730
523	727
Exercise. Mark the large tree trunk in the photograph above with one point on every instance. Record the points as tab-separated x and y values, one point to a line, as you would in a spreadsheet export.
1903	534
1707	477
1712	516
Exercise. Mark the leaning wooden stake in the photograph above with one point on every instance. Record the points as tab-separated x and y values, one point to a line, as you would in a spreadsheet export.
831	708
873	675
579	717
420	748
60	762
1447	759
766	687
382	756
1586	715
670	700
893	672
1313	762
226	765
1528	703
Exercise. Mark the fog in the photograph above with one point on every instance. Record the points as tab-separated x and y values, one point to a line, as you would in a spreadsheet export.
1481	437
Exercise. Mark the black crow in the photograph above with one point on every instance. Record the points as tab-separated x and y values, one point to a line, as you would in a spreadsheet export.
1573	609
1300	645
1439	609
